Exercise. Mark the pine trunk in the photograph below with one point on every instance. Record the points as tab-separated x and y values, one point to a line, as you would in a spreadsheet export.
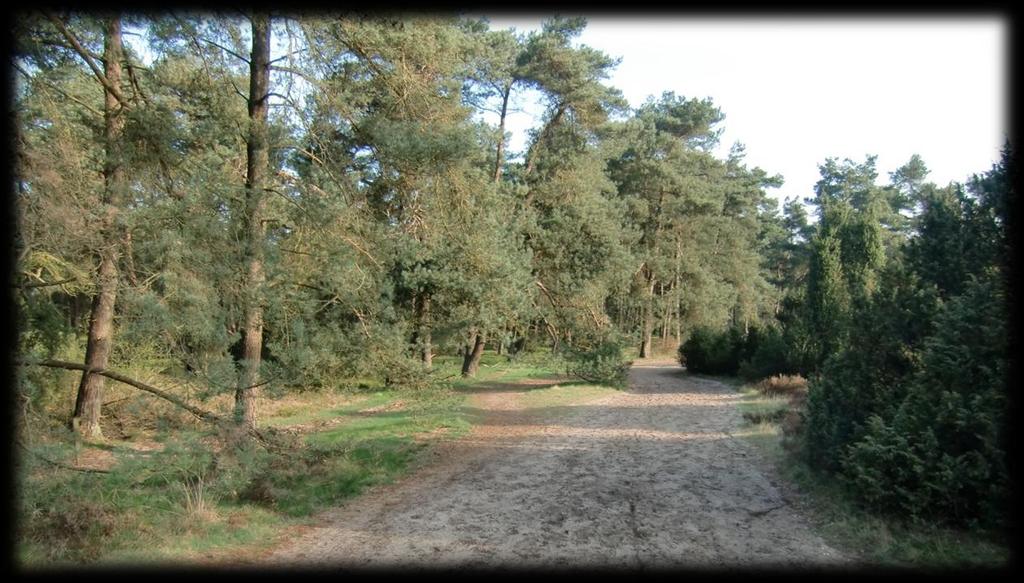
426	354
499	158
675	288
257	155
553	334
86	419
97	350
679	327
648	321
666	321
667	325
471	363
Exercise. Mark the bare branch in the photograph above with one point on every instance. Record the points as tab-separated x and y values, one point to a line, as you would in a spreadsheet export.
91	109
294	72
88	59
289	55
44	283
201	414
135	80
227	50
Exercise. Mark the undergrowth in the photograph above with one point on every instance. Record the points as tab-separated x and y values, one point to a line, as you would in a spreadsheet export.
771	411
167	489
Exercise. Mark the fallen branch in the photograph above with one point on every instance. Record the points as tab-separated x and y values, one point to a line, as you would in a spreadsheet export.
200	413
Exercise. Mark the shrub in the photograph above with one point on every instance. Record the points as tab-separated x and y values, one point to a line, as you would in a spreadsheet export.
711	352
942	454
603	364
769	354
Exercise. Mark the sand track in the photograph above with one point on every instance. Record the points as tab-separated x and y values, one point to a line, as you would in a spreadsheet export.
651	477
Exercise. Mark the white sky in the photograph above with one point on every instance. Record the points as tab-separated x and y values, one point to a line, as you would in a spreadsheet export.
796	91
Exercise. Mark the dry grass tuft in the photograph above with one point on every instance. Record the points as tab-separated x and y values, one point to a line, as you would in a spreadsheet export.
782	385
196	504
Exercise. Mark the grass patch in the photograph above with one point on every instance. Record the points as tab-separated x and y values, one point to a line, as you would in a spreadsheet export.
310	411
878	540
195	496
249	527
499	368
202	498
887	541
758	408
571	393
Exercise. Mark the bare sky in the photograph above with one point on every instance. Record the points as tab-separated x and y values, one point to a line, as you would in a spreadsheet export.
796	91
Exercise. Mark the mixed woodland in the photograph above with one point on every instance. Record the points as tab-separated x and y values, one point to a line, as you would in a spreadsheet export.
218	211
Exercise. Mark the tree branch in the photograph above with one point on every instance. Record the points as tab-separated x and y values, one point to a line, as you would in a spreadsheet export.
88	60
31	285
288	55
134	80
227	50
293	72
59	90
201	414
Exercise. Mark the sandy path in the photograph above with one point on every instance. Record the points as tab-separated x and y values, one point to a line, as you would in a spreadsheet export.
645	478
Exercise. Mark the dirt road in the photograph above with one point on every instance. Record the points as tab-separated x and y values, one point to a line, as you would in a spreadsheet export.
646	478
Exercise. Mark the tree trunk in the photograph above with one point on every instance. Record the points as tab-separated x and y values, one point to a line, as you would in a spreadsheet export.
665	316
519	340
426	354
86	419
554	336
679	326
129	259
499	158
471	363
648	332
258	162
667	335
97	349
534	150
648	321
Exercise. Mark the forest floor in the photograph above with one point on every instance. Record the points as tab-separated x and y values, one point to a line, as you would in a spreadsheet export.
653	477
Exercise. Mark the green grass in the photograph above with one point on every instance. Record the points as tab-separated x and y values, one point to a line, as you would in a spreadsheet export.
362	448
246	526
138	512
563	394
495	368
402	414
352	439
877	540
762	410
311	412
886	541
